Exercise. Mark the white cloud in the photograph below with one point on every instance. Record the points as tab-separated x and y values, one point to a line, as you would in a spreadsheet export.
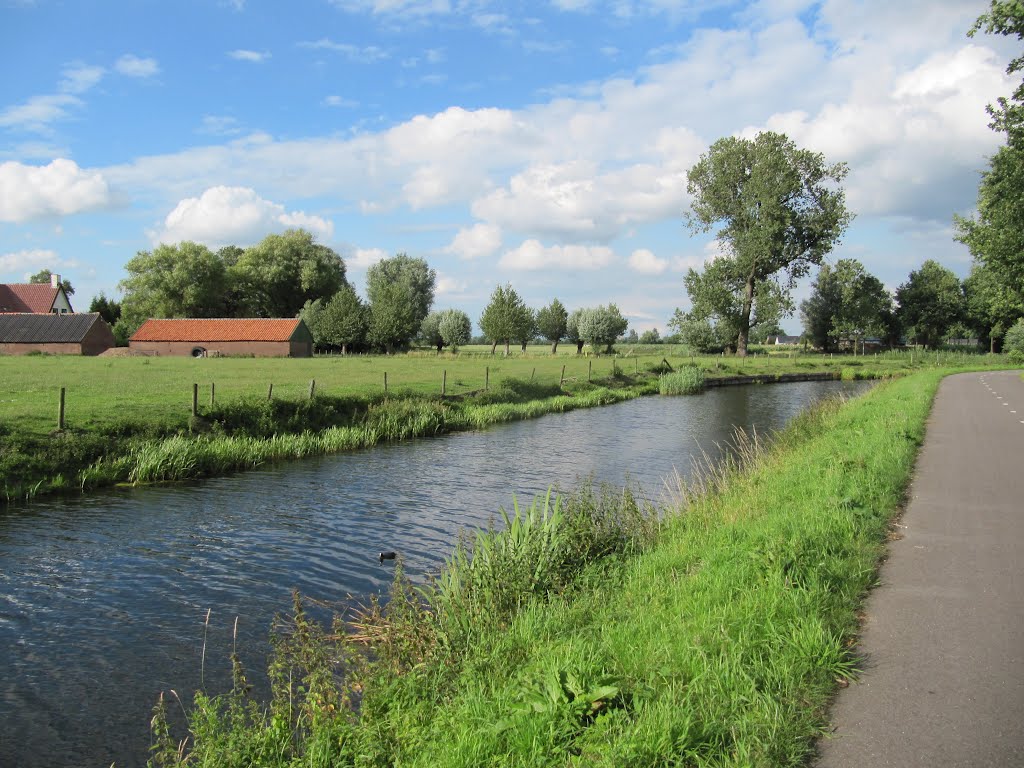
58	189
339	101
365	54
476	241
39	111
236	215
80	78
133	66
450	286
242	54
645	262
363	258
409	8
532	255
220	125
29	261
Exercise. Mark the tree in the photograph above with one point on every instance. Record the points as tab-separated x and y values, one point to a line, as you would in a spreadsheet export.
846	303
779	212
108	309
718	298
1013	343
993	306
278	275
601	326
413	274
551	322
1006	17
43	277
572	329
930	303
430	330
650	337
455	328
183	280
526	328
631	337
699	334
345	320
504	318
393	317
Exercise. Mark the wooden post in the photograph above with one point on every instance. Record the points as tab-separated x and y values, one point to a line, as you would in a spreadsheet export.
636	365
562	380
590	369
195	399
270	391
385	382
312	388
444	382
613	367
213	390
60	411
487	377
532	374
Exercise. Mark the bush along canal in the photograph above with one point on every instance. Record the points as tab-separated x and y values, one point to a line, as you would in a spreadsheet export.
106	596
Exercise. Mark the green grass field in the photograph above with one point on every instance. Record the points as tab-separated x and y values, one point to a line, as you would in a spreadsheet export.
158	390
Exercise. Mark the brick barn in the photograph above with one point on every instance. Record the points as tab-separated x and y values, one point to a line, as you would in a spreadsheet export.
259	337
85	334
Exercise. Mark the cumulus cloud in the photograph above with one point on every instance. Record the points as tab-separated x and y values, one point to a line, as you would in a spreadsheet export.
236	215
26	262
532	255
365	54
133	66
242	54
364	258
476	241
80	78
450	287
60	188
339	101
408	8
646	263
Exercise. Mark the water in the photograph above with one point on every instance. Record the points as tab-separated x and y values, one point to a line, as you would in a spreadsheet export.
103	599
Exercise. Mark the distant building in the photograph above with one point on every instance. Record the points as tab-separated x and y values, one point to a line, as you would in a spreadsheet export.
779	340
258	337
35	298
54	334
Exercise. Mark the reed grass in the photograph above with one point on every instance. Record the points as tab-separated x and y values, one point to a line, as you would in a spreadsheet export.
687	380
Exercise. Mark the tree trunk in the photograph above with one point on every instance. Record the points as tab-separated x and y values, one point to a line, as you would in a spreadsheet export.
579	347
494	346
441	344
344	349
506	347
554	347
748	304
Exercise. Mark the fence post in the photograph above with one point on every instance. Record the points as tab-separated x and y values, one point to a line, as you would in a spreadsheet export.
561	381
385	382
213	390
532	374
312	388
60	411
590	369
636	365
487	377
195	399
444	382
270	391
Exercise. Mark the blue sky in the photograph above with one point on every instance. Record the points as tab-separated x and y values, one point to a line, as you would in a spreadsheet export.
539	144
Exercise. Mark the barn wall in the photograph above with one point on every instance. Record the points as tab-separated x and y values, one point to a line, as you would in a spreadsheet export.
51	349
184	348
98	340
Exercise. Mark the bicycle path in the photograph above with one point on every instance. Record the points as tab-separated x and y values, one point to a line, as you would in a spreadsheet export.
943	636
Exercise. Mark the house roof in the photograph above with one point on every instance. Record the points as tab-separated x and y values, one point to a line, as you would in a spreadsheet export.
223	329
46	329
27	297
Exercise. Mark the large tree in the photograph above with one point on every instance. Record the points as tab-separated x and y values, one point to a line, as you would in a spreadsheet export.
572	329
780	208
414	274
931	302
455	328
504	317
993	305
718	301
183	280
44	275
1006	17
551	322
108	309
345	320
601	326
278	275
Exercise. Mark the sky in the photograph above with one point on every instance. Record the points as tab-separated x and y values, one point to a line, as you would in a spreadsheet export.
544	145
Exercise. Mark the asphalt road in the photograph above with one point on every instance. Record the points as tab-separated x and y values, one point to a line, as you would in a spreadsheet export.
943	639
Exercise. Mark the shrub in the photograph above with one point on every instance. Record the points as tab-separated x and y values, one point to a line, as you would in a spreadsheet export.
1013	342
688	380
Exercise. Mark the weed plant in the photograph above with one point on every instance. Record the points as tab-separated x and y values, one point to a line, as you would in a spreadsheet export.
593	629
687	380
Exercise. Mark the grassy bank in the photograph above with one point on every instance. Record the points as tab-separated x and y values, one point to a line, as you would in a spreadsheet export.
595	631
128	420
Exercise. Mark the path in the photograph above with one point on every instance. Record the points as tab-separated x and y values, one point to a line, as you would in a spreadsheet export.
943	681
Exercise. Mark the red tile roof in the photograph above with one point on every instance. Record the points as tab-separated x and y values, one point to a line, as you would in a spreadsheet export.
36	298
228	329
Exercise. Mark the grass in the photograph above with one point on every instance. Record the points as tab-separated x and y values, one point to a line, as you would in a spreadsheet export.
128	419
687	380
593	630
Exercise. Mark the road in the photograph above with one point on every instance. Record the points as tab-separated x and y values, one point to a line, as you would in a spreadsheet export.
943	637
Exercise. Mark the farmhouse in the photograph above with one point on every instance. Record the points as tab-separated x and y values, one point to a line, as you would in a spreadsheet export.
35	298
259	337
54	334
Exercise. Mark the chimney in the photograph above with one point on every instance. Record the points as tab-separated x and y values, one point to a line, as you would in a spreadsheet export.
54	280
